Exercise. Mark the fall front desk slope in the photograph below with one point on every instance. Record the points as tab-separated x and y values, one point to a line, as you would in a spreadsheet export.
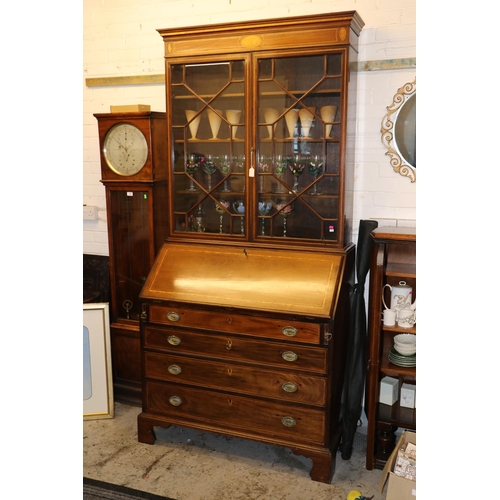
247	342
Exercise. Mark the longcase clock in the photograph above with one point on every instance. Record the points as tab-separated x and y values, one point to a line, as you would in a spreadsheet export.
133	169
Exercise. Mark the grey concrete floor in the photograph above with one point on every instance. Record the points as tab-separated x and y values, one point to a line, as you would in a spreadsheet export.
186	464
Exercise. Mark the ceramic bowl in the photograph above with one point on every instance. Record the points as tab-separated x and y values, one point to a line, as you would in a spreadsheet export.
406	350
406	339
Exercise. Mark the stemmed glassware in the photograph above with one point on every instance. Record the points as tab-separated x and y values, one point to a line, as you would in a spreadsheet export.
225	168
209	168
239	208
221	206
192	166
315	166
284	210
279	170
296	166
263	166
264	209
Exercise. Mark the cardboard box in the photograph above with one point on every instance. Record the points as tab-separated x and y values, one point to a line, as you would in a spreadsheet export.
399	488
132	108
389	388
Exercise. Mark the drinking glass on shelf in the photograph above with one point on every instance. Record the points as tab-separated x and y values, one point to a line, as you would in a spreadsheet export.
209	168
225	167
279	170
296	166
315	166
221	206
264	209
284	210
239	208
192	166
263	166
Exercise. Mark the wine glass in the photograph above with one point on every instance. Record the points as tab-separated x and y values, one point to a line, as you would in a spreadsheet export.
239	208
284	210
263	166
192	166
315	166
225	168
279	170
221	206
264	209
296	166
198	220
209	168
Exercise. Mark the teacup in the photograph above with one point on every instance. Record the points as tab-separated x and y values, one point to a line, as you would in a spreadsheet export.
389	317
406	318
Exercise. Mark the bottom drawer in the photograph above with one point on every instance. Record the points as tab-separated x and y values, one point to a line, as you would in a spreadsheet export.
227	411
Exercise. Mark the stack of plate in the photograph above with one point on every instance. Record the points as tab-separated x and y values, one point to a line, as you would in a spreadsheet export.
400	360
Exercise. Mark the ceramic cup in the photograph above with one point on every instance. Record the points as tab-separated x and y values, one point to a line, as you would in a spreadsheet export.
271	115
215	120
406	318
389	317
291	118
328	115
233	117
306	116
193	121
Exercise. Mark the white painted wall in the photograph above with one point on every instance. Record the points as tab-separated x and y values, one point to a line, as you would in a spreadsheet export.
120	39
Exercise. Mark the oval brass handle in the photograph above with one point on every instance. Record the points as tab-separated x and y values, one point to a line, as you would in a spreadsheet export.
289	387
289	356
173	316
288	422
229	345
175	400
173	340
289	331
174	369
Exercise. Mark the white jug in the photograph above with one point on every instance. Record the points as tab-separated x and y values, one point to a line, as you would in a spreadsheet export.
401	296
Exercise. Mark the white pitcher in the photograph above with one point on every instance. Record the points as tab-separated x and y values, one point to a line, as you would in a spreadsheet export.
401	296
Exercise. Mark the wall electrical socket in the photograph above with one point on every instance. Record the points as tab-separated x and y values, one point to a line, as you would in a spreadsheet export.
89	212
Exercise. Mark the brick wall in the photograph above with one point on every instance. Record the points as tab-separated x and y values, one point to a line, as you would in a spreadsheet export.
120	39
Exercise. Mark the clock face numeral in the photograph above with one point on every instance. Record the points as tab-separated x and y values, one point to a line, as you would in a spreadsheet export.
125	149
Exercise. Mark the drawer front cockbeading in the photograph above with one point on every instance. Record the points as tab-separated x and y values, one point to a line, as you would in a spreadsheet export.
234	377
235	348
299	331
184	405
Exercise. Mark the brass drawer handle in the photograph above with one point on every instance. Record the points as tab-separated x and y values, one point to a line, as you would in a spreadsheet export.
173	340
288	422
289	356
229	345
175	400
289	331
173	316
289	387
174	369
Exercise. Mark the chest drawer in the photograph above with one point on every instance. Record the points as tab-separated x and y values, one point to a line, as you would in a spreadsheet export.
267	383
280	354
182	405
300	331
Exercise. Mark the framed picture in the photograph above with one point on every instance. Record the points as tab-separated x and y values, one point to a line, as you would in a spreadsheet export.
98	400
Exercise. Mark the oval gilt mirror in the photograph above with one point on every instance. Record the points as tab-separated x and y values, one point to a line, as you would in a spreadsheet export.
399	131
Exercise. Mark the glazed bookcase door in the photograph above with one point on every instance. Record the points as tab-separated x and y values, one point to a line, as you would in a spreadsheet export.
131	247
298	176
208	126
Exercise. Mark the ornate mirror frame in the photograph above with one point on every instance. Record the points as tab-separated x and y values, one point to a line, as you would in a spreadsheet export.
390	132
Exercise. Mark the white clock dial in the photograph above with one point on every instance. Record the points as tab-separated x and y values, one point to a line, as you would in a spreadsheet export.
125	149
